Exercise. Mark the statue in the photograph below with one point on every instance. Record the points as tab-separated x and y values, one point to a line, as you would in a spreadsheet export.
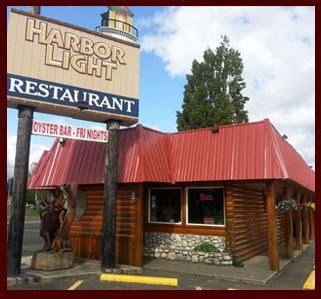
56	218
51	216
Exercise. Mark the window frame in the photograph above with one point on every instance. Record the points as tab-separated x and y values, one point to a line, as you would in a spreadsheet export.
203	224
149	200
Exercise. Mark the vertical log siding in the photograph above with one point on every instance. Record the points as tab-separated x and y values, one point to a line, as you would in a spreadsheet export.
247	216
86	233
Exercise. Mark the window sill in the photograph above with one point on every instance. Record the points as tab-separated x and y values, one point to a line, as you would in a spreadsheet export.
166	223
208	225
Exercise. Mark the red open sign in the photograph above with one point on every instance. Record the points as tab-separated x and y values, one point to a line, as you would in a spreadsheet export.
205	197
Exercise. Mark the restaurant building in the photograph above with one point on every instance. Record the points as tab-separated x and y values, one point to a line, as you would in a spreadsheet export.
178	190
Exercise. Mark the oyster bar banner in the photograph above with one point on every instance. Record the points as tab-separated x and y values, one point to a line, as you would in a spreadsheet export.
66	70
69	132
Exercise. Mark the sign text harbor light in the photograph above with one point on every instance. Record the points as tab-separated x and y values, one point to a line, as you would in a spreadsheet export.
66	70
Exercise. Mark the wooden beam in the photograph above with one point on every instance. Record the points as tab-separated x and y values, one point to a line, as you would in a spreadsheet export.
288	227
305	221
298	223
272	227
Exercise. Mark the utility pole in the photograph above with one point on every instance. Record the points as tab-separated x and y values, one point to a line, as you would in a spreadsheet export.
19	193
108	259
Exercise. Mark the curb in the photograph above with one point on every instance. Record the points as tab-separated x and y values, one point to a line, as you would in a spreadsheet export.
124	269
11	281
52	278
28	277
23	278
140	279
310	282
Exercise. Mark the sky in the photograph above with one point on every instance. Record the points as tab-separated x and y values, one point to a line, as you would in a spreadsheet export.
277	45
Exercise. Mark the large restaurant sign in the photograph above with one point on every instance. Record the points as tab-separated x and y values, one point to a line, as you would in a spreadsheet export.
66	70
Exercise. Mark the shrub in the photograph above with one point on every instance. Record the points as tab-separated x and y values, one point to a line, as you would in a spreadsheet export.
206	247
237	263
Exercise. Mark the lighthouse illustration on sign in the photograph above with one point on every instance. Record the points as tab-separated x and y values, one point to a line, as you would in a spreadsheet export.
118	22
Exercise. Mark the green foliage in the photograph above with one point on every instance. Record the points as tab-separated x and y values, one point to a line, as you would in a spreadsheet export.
237	263
31	197
213	93
206	247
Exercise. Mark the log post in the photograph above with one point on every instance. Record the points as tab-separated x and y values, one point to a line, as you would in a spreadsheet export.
288	228
305	220
298	224
110	197
230	220
272	227
20	181
139	228
17	219
311	222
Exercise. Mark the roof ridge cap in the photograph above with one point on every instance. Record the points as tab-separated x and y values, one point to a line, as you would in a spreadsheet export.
221	127
150	129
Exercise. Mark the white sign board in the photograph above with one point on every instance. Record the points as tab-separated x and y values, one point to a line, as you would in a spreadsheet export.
62	69
69	132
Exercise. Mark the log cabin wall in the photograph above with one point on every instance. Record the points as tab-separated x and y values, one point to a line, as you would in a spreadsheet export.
246	234
86	233
129	226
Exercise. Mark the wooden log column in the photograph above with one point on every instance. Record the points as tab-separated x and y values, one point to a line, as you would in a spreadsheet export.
305	220
17	219
272	227
288	228
110	196
139	229
298	223
311	222
230	220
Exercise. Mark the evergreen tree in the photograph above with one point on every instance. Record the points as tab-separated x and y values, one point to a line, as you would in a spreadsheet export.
213	93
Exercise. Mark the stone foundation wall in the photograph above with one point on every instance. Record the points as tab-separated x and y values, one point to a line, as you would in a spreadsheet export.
180	247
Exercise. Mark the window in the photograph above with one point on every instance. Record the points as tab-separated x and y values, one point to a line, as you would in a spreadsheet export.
205	206
165	205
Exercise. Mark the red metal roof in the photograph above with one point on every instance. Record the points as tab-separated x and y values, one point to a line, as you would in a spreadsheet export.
252	151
